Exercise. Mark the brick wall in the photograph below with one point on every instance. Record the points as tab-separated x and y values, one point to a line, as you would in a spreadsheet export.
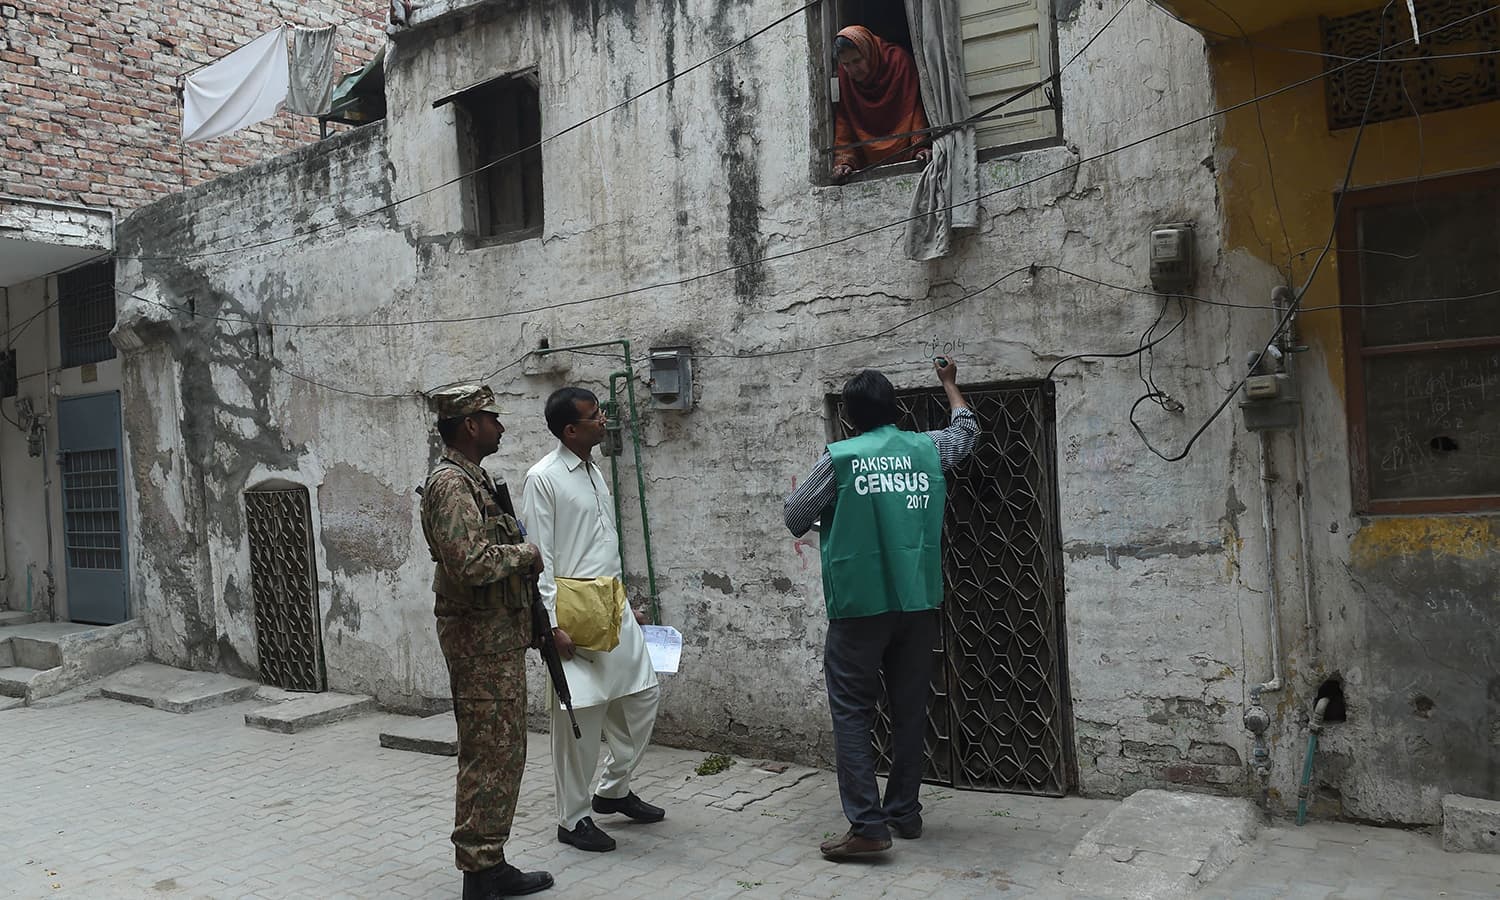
89	109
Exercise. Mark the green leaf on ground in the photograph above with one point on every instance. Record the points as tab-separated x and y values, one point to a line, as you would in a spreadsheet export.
714	764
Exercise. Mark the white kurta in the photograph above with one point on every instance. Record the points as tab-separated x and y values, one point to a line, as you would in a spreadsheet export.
569	513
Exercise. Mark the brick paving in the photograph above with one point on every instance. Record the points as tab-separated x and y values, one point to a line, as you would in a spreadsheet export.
104	799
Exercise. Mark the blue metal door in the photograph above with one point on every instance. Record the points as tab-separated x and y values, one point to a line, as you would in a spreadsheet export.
88	437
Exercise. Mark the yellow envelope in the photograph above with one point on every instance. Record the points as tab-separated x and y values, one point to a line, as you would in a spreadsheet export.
590	611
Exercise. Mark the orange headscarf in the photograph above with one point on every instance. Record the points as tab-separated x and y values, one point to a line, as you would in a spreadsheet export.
888	101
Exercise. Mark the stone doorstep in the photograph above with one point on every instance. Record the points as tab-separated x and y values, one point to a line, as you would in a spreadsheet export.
1161	844
304	711
15	679
1470	824
174	690
10	617
437	735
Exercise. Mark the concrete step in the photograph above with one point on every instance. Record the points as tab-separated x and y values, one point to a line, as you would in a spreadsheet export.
304	711
11	703
437	735
1470	824
70	655
14	680
1159	845
175	690
9	617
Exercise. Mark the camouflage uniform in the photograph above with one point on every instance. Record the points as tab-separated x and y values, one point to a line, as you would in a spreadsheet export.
484	626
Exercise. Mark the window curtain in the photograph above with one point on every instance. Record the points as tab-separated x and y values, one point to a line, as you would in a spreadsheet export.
947	197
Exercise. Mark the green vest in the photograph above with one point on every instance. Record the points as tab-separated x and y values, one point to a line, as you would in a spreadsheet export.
882	552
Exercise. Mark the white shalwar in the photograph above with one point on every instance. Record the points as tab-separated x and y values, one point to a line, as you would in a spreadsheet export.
569	514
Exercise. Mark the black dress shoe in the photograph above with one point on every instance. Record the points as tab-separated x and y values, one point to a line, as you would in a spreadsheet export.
630	805
515	883
504	880
586	836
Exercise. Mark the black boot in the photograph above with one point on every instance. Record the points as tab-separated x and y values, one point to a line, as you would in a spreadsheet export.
504	880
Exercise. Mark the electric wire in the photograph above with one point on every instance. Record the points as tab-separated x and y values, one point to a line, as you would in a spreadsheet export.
1292	307
344	223
774	257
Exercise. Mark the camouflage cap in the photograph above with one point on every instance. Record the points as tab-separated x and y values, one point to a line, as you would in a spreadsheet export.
456	401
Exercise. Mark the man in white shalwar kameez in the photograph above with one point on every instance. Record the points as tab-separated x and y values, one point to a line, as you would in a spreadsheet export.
568	512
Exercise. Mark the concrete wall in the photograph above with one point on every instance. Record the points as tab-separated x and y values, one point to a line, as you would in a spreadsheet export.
1402	605
1164	591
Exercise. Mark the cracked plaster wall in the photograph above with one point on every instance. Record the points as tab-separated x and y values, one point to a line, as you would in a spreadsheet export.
1164	622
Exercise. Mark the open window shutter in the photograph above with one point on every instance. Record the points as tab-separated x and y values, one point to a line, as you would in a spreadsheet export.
1008	45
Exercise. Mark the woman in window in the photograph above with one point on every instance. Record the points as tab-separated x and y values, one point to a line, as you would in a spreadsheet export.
878	97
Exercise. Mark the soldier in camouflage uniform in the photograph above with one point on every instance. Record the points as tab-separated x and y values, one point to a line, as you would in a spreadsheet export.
483	613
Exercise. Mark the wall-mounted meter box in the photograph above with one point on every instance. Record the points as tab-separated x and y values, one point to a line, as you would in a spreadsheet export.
672	378
1172	258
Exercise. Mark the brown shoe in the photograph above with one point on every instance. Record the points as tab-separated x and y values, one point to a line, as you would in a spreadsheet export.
852	845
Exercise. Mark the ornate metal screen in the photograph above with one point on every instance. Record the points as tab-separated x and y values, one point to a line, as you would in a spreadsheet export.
288	637
999	718
1454	64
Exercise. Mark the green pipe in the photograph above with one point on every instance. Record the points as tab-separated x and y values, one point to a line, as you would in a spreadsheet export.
640	474
1320	709
612	415
1302	792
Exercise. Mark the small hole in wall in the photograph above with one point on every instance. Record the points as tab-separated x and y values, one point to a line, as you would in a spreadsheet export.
544	344
1444	444
1422	705
1333	690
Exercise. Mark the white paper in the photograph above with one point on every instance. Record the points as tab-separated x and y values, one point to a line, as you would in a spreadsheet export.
243	88
664	643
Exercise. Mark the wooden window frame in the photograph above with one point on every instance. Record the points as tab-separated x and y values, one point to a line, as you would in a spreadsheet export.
1355	352
822	26
477	189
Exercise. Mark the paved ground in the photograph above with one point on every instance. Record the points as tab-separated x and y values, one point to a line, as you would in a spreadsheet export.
104	799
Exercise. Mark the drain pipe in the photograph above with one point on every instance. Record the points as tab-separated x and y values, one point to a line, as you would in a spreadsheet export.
1281	299
1256	719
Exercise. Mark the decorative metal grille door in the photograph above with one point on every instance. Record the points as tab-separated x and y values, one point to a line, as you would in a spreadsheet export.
1000	717
288	634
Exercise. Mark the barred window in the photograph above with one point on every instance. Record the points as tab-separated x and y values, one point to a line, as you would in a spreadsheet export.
86	314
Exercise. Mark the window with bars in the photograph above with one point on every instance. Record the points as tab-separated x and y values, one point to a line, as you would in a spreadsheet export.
86	314
1422	343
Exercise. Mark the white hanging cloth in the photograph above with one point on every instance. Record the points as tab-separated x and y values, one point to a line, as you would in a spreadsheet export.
947	198
245	87
311	71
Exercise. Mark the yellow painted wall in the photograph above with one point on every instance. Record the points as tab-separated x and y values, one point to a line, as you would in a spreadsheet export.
1309	162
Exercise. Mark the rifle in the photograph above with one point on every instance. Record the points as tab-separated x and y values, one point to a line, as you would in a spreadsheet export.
541	634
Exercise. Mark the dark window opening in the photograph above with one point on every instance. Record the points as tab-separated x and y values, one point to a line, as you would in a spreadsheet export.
7	373
499	126
86	314
1422	343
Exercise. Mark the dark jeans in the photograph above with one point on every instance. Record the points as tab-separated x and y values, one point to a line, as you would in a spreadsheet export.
857	651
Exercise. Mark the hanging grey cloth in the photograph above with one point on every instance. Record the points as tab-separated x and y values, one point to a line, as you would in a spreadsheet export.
311	71
947	195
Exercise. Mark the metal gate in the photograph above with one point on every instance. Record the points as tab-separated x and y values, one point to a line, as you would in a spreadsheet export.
288	636
1000	717
93	508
